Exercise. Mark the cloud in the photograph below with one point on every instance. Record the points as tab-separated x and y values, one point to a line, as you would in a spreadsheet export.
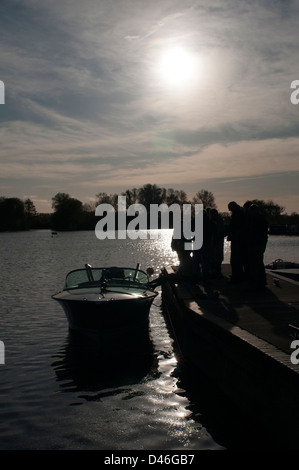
86	106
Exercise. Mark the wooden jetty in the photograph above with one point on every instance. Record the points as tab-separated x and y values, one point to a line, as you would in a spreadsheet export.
243	341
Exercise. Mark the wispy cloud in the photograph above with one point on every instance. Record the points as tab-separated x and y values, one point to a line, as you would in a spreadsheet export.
87	109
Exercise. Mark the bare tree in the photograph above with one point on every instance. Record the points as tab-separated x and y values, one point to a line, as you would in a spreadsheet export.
206	198
104	198
131	196
29	207
151	194
174	196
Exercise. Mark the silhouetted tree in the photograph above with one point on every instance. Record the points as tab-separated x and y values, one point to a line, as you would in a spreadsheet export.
12	214
206	198
30	213
104	198
89	206
294	218
131	196
29	207
68	212
272	211
174	196
151	194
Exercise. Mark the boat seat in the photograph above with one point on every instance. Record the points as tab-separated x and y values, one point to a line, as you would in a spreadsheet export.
114	273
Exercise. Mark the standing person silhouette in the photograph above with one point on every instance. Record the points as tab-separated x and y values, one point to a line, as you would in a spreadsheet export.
217	241
201	260
178	245
246	206
236	235
256	246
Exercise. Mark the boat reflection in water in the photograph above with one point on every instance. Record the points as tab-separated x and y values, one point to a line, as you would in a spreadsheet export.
84	365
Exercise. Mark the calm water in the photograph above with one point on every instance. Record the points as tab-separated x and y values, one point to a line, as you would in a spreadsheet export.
57	392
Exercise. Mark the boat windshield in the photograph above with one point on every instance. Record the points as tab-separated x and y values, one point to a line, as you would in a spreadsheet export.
92	277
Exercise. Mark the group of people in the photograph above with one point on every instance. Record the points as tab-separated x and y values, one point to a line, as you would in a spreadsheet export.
247	232
206	261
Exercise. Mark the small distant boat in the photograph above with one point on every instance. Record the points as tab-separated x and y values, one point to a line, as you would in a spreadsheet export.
286	269
107	299
281	264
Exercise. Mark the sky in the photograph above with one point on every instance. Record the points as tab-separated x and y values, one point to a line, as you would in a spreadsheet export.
107	95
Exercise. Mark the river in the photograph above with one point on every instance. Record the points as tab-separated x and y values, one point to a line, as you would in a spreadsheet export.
57	392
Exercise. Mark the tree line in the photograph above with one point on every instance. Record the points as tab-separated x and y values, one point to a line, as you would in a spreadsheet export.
71	214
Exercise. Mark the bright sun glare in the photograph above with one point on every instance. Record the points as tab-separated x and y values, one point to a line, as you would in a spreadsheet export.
177	66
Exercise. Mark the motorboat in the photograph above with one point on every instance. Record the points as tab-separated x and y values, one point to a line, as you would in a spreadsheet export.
107	299
281	264
286	269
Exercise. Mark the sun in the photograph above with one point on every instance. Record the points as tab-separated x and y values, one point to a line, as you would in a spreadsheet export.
177	66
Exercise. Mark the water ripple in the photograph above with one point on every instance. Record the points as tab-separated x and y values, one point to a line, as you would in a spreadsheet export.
61	393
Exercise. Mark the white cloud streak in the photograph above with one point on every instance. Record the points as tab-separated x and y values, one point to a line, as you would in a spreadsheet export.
85	104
